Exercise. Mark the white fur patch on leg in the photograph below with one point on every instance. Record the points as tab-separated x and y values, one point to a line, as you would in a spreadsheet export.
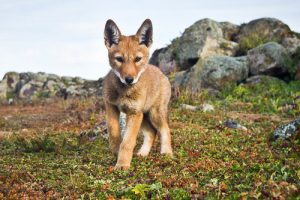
146	147
165	143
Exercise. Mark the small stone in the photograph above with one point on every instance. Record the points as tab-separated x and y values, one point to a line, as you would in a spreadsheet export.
285	131
189	107
207	107
234	125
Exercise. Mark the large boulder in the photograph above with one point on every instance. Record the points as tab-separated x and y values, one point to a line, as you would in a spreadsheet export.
27	91
8	85
215	72
261	31
204	38
269	59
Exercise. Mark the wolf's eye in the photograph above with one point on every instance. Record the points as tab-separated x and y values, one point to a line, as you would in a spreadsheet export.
119	59
137	59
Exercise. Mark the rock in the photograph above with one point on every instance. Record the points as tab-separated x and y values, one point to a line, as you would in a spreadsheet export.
51	85
234	125
78	80
261	79
221	70
164	58
8	85
53	77
26	77
261	31
41	77
269	59
218	47
207	107
10	101
214	72
27	91
67	78
199	41
202	38
204	107
36	85
11	79
189	107
291	44
285	131
230	31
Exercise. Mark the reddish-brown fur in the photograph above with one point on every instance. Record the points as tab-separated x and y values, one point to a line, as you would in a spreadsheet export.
145	100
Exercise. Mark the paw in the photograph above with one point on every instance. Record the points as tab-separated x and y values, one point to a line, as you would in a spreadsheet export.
121	167
167	152
142	153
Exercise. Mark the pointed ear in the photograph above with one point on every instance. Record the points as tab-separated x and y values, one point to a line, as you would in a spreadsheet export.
145	33
111	33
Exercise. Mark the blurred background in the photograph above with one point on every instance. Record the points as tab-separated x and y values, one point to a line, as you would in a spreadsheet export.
66	37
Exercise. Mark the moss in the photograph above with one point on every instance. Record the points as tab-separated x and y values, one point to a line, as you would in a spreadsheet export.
10	95
293	61
253	40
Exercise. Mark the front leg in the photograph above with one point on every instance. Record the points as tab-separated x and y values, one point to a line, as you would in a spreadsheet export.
133	124
112	118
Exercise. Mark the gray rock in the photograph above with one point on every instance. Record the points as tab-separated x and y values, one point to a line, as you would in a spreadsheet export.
27	76
291	44
193	40
269	59
41	77
234	125
53	77
11	79
78	80
199	41
27	91
285	131
221	70
214	72
230	31
165	59
67	79
203	107
267	29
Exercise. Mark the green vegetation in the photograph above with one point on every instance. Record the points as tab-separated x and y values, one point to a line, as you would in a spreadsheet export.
211	161
253	40
293	62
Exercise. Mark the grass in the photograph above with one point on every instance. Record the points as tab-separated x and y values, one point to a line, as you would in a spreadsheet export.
253	40
42	154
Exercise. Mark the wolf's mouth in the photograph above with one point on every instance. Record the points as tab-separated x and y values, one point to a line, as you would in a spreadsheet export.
135	80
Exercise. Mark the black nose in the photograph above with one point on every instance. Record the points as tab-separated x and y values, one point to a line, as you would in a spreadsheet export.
128	79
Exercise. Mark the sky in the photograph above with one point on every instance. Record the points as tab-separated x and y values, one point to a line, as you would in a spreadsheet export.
65	37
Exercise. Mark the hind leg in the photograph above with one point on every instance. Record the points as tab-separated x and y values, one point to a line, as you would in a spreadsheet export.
158	118
149	133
